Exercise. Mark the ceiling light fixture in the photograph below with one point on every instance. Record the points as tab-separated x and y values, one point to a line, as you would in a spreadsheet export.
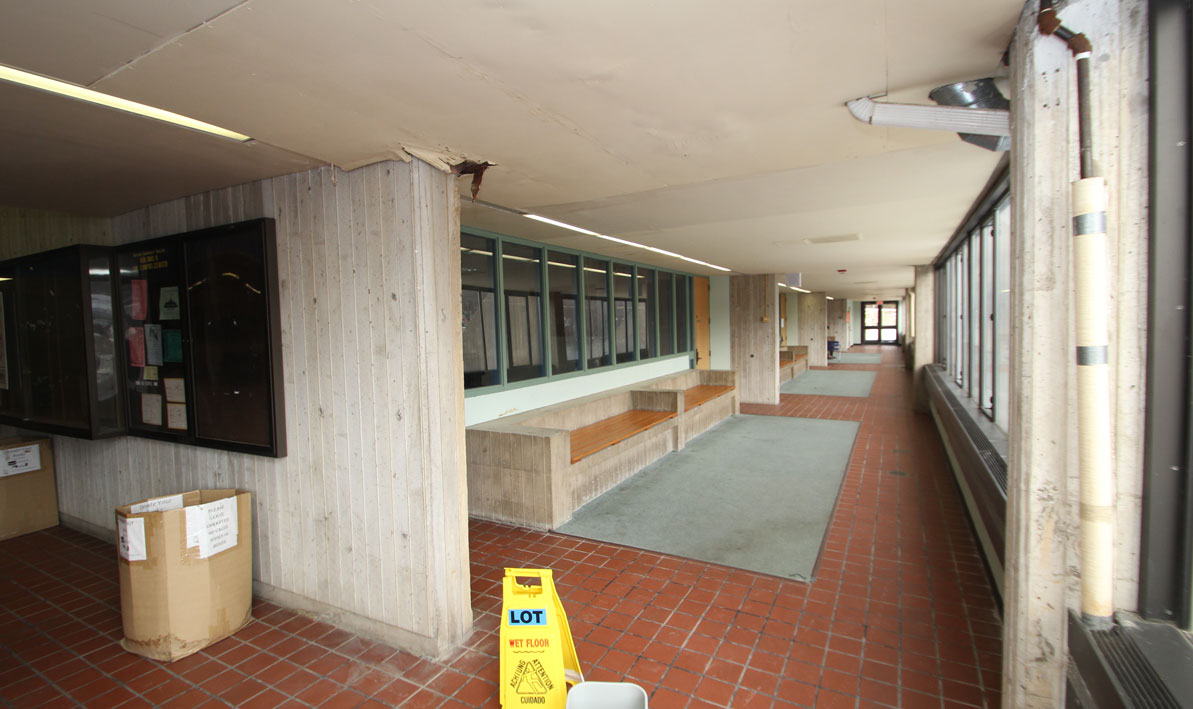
62	88
829	297
801	290
606	237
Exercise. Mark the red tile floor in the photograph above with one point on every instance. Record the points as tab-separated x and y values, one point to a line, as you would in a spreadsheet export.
900	613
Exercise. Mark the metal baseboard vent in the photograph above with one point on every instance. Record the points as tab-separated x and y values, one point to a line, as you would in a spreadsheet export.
995	465
979	469
1133	664
1139	680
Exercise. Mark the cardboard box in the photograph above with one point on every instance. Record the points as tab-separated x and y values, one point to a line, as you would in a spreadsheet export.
28	498
186	571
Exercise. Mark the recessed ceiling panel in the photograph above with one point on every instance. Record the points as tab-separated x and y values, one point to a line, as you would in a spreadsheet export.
83	40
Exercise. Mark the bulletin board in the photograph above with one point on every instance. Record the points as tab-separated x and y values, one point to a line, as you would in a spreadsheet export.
201	338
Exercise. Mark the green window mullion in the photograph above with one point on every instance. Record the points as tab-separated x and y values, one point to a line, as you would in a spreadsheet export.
502	335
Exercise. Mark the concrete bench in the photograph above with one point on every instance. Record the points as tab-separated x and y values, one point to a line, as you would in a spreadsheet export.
709	396
598	436
793	361
538	467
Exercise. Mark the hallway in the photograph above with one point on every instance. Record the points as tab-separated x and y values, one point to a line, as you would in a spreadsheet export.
900	612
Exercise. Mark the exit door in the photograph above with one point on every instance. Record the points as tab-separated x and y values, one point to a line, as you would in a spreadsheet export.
880	322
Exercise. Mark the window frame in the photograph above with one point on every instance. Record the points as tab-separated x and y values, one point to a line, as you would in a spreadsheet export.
545	316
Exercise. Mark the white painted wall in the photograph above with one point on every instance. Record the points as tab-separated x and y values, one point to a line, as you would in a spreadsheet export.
486	407
719	320
365	521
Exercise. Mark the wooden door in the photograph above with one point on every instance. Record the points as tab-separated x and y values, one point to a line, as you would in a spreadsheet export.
782	320
700	316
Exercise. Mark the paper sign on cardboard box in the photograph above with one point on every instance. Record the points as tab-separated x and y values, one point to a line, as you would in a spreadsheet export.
131	531
21	459
28	497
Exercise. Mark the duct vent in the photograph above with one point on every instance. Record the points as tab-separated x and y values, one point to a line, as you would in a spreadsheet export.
979	93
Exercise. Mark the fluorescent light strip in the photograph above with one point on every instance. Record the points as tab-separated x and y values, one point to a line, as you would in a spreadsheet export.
62	88
801	290
829	297
614	239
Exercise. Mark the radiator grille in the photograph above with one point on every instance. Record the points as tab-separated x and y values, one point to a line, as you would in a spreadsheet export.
995	465
1139	680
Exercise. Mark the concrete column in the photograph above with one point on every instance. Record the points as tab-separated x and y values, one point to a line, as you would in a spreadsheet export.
813	327
754	308
1043	514
925	334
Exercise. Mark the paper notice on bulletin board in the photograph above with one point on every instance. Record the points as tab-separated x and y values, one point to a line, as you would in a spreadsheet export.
136	346
175	389
151	409
140	299
176	416
169	307
153	345
172	344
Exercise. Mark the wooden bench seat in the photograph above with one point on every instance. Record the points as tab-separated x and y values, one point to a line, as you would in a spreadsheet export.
697	395
594	437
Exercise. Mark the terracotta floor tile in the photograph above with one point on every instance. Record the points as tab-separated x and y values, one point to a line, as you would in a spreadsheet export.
899	613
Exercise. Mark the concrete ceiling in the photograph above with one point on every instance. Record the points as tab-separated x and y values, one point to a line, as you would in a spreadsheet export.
716	130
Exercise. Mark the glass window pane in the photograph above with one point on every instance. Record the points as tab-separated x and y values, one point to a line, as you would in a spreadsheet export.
666	314
562	272
623	323
596	294
890	314
959	348
1002	314
479	311
975	313
870	315
986	398
646	313
682	313
522	280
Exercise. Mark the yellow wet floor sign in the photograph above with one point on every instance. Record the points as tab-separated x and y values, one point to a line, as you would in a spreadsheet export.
538	657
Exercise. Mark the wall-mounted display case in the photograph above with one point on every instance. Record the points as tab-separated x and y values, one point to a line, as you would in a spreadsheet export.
58	362
201	338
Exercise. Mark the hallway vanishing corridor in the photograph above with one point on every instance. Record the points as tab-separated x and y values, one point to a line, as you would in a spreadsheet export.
900	614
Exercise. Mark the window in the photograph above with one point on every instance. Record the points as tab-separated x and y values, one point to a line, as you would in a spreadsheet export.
682	328
562	272
522	282
623	311
973	382
646	313
974	299
596	295
548	312
1002	314
986	398
479	311
666	314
